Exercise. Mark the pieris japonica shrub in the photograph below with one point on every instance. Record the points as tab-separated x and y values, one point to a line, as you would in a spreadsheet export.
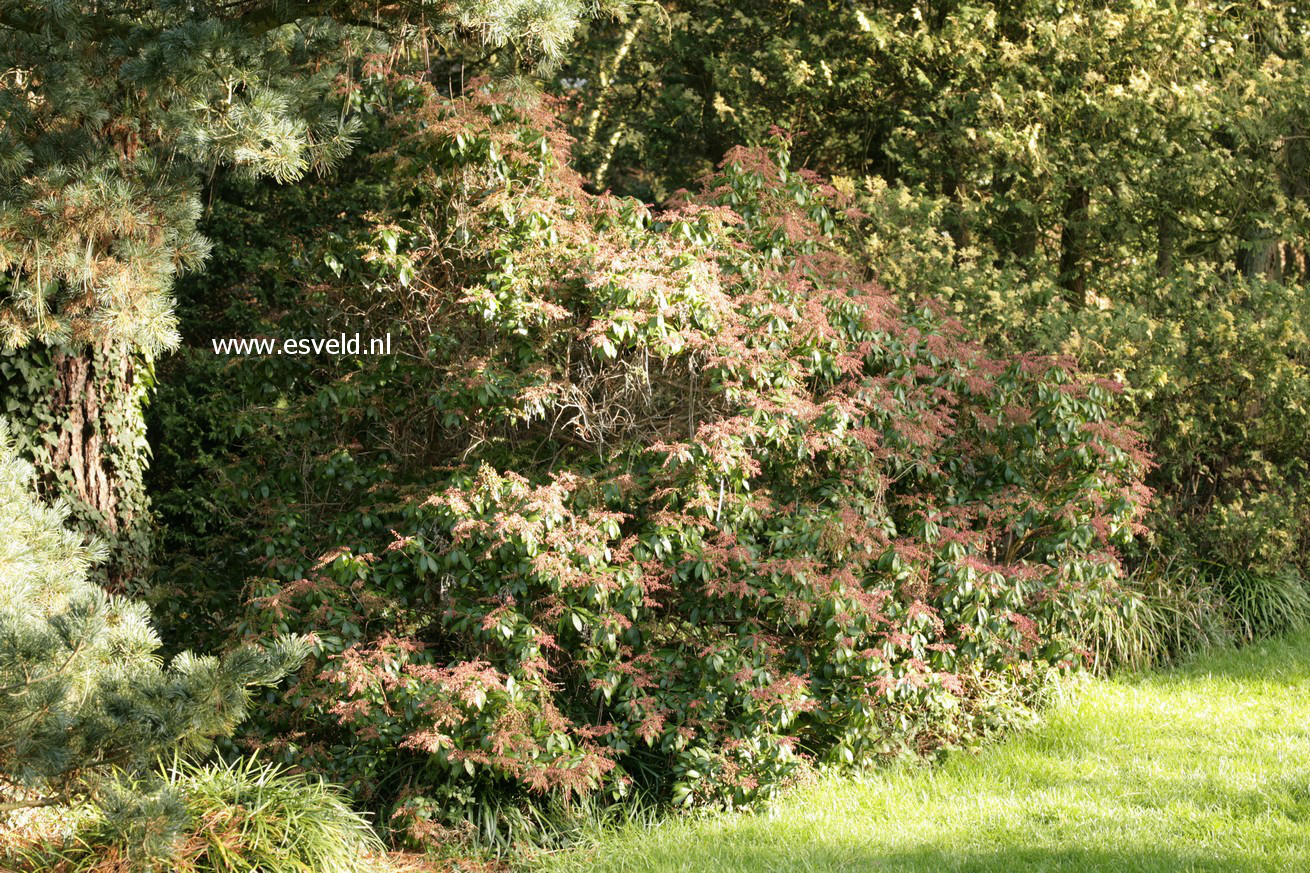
673	502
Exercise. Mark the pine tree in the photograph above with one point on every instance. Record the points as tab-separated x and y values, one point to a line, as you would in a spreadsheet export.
86	700
110	115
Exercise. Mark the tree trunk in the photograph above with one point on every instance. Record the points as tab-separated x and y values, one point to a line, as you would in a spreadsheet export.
606	76
952	189
93	451
1073	242
1296	184
1166	245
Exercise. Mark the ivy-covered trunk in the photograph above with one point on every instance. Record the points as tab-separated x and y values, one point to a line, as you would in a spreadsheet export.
78	416
1073	243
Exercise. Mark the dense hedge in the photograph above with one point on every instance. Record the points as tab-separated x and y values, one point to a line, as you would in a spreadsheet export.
1216	368
666	502
1215	365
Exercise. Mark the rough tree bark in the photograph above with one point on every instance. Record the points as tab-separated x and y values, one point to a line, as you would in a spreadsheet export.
96	452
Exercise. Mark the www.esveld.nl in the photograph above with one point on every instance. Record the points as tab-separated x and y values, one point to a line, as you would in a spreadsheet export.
337	345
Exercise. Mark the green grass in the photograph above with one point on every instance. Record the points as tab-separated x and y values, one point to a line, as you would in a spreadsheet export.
1204	767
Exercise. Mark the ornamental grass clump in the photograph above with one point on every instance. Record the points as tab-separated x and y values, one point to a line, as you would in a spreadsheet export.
237	818
1264	604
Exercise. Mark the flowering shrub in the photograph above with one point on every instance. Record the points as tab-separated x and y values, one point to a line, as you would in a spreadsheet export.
673	502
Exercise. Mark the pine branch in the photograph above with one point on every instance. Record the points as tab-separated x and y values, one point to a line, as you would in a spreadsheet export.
259	18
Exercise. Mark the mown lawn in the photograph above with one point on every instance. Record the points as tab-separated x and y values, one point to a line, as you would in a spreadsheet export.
1201	768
